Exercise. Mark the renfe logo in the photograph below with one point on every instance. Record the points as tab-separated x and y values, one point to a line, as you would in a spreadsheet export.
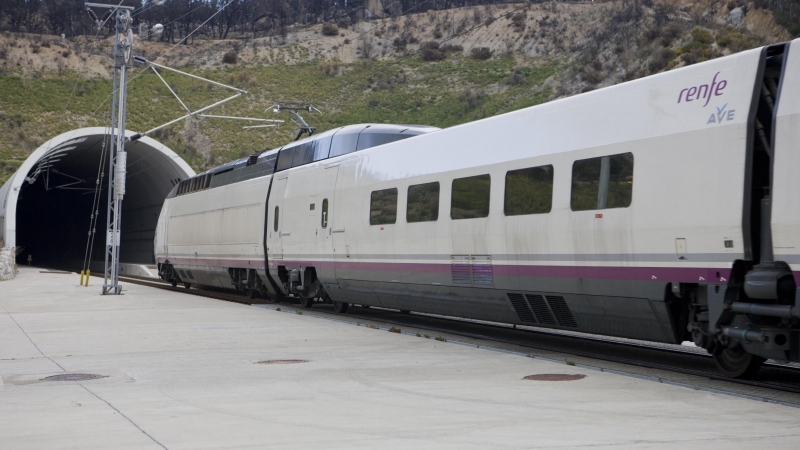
704	91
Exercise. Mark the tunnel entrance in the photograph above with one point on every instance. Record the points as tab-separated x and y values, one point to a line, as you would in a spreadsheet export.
46	207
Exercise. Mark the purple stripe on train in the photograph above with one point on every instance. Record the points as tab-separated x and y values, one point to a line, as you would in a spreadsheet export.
678	274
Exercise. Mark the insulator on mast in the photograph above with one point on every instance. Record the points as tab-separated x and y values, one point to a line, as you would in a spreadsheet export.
120	169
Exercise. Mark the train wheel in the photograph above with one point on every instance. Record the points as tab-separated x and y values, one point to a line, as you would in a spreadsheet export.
174	282
341	307
306	302
187	285
251	293
737	362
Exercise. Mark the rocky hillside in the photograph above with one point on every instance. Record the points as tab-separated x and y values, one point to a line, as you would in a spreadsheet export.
440	68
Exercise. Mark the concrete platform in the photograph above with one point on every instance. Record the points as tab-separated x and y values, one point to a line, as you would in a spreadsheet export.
182	372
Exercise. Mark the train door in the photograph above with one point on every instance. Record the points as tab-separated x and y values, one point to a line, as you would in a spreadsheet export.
339	249
324	248
274	237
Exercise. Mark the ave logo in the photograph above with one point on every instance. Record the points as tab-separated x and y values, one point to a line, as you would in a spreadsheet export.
722	115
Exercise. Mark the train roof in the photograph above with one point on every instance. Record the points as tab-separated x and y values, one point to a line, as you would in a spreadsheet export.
329	144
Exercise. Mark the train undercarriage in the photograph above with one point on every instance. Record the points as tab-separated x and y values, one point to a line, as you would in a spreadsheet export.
744	323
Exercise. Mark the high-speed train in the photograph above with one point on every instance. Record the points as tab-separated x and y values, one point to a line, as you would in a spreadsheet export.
664	209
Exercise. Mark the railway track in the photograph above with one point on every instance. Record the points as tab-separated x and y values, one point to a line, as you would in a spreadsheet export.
670	364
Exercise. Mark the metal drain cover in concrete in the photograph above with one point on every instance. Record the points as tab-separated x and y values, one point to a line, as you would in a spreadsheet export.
554	377
283	361
73	377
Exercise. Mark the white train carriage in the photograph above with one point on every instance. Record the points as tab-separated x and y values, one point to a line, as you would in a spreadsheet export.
660	209
211	227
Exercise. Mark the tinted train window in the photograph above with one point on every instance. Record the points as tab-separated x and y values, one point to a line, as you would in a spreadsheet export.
303	154
602	183
470	198
285	158
368	140
325	213
529	191
423	203
322	147
343	143
383	207
275	222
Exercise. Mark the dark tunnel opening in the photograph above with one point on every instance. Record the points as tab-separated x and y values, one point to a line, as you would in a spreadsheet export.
53	226
53	212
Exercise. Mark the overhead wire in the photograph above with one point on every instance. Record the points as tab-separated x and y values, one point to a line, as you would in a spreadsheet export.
168	50
87	258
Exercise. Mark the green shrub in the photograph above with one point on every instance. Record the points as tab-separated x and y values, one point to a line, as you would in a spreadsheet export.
447	48
230	57
330	29
518	20
432	54
735	42
481	53
701	36
433	45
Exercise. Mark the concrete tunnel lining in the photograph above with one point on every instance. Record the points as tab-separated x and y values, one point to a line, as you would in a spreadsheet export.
50	218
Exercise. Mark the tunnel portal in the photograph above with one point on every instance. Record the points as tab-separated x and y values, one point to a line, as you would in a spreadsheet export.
46	207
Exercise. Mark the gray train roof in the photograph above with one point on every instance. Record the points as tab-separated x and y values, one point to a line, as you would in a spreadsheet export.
329	144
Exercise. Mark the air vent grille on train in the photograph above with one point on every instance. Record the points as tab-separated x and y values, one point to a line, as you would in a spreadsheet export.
540	309
472	270
559	307
462	270
523	311
482	270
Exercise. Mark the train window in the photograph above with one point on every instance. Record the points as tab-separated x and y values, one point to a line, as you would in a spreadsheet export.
275	221
343	143
325	213
285	158
369	140
322	146
303	154
602	183
423	202
470	197
529	191
383	207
